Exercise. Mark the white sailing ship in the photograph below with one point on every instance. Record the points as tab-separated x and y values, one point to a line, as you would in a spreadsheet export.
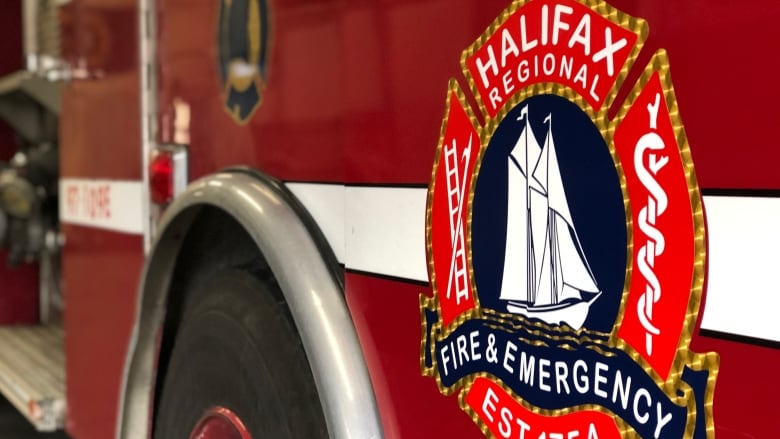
546	273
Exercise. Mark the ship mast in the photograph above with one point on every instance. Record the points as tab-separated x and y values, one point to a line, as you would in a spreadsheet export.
552	231
531	268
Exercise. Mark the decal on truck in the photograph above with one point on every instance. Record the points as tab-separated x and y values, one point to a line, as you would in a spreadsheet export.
566	248
242	43
104	204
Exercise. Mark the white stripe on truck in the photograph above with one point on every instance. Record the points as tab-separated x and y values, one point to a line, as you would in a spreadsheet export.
383	232
103	204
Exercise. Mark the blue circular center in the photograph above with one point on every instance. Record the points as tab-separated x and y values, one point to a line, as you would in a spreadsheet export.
582	216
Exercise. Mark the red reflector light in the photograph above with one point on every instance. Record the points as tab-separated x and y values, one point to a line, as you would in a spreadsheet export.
161	178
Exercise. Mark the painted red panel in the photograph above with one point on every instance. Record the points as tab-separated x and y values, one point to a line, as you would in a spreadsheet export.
359	76
18	292
10	61
18	285
11	43
99	124
355	94
345	78
387	317
100	138
716	75
747	388
100	279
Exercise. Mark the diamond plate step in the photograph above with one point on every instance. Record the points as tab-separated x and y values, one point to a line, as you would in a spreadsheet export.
32	373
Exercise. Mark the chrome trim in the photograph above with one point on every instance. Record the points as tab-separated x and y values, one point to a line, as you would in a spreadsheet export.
41	39
312	292
147	22
137	385
180	171
30	13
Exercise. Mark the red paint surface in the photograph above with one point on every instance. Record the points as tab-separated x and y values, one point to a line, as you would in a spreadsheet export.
387	316
371	76
715	74
18	292
11	42
99	131
345	78
745	404
100	279
18	285
10	61
354	94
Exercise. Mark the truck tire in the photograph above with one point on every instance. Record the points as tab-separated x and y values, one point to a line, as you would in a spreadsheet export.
237	368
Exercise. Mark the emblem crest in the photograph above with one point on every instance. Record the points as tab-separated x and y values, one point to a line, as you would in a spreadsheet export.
565	235
242	42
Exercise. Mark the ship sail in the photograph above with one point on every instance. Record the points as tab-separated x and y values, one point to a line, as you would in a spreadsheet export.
545	268
518	254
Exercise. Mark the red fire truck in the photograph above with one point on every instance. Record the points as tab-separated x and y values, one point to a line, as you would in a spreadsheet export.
404	219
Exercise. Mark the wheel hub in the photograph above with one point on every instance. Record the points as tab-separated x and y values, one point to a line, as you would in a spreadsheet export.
220	423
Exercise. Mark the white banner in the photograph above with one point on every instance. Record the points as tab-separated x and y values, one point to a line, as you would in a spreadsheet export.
103	204
381	230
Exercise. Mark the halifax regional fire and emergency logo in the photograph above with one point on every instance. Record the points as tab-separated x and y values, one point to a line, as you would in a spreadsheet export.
566	240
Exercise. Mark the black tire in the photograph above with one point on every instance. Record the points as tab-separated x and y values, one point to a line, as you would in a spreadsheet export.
238	349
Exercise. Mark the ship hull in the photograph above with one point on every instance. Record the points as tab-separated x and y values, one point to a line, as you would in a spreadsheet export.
571	314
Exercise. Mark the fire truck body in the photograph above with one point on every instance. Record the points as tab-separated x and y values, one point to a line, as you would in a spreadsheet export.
324	183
